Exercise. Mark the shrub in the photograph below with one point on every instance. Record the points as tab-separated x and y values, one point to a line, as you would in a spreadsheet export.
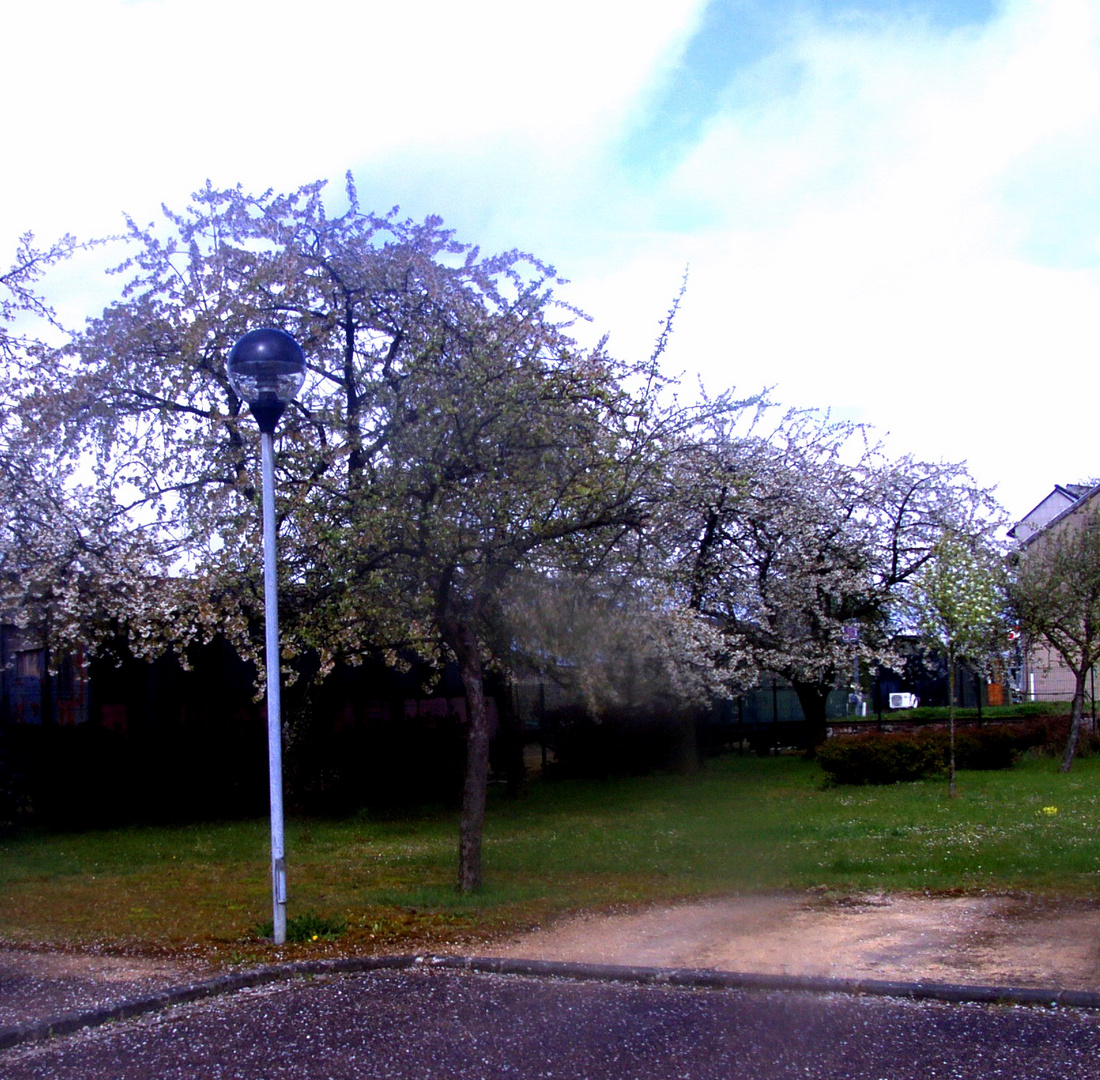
1048	735
306	927
995	747
880	759
886	759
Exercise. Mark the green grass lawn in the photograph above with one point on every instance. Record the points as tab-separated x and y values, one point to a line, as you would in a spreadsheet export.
741	825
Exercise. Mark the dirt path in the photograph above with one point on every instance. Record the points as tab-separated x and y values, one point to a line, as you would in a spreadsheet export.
989	940
994	940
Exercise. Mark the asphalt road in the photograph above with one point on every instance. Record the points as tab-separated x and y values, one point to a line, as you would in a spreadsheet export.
430	1024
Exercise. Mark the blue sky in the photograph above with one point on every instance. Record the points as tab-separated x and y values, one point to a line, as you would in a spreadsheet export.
734	35
889	209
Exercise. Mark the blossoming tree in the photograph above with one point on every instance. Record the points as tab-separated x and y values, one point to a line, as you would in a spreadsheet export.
791	538
451	435
959	603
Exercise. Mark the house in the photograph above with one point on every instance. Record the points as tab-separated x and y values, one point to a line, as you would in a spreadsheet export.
1039	672
1061	500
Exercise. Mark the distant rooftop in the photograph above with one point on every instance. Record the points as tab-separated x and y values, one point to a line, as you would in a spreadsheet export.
1043	514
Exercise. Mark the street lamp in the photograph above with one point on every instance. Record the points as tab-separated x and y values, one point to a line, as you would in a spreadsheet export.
267	369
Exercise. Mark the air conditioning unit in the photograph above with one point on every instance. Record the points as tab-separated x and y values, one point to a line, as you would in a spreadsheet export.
904	701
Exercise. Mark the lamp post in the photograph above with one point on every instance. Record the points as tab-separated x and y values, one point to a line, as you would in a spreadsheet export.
267	369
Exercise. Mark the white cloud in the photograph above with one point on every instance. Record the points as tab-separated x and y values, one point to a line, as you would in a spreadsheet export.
883	217
122	102
860	245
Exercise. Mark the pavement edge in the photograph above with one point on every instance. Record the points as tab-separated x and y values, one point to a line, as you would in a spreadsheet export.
698	978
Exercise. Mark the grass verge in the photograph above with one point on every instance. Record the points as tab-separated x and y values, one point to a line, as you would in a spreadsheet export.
742	825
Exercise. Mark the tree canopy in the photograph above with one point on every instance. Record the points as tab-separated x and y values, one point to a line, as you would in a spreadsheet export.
799	542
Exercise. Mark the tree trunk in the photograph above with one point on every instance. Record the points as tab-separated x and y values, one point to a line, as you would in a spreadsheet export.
1077	711
813	697
464	642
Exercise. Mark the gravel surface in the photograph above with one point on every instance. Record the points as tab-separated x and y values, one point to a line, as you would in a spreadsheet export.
38	986
440	1024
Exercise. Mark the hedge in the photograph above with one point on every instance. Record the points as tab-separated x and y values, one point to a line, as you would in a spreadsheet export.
892	758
